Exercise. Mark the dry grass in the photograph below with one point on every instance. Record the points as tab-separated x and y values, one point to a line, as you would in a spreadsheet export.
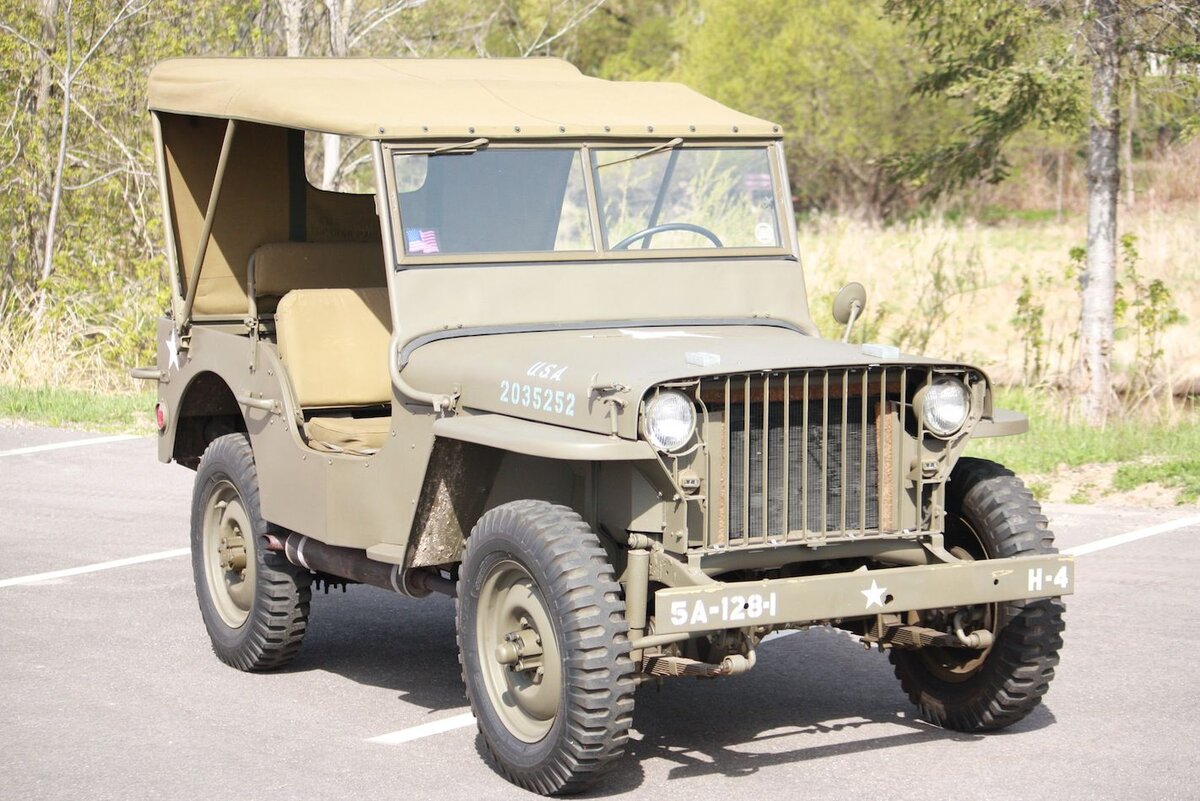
981	267
86	340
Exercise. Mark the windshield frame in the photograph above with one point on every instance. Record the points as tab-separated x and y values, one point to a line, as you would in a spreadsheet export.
600	252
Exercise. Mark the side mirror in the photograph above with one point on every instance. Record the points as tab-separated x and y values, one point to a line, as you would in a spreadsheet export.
848	306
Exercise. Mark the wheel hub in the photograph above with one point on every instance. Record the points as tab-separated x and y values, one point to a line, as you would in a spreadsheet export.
524	678
521	651
232	550
228	554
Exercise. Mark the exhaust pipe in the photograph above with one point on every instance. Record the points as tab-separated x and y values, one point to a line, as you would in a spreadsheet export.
355	565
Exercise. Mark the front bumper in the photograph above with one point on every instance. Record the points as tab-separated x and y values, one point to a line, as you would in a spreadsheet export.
814	599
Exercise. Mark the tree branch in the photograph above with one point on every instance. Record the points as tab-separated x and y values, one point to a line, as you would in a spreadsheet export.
383	16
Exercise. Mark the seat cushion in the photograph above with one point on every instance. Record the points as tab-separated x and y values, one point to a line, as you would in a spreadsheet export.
348	434
334	343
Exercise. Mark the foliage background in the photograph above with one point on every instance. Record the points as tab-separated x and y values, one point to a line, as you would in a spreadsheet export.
77	168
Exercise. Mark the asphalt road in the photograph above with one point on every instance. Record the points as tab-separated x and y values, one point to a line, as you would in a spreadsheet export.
108	688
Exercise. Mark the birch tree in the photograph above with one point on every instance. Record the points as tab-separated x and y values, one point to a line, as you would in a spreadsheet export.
1099	279
1020	63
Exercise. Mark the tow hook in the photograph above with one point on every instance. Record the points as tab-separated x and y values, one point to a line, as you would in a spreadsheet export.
976	639
736	664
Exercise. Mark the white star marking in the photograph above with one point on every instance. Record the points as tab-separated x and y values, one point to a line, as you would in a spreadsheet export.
173	350
874	595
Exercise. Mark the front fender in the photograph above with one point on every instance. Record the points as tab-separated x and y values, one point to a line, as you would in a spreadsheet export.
539	439
1003	423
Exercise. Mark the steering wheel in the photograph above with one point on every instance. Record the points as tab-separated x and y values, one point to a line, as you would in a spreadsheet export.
672	226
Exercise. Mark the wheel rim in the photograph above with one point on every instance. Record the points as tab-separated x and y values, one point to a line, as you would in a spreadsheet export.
518	652
228	550
949	664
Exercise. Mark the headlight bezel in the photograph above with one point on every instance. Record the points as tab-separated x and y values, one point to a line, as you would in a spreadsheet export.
652	433
926	401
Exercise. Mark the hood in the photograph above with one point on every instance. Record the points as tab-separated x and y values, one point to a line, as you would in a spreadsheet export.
554	376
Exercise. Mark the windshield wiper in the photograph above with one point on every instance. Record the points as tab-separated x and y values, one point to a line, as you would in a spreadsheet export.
465	148
674	143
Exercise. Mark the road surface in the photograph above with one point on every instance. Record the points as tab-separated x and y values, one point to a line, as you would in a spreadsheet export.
108	688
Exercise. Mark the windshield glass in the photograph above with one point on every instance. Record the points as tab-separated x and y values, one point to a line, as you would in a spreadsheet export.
493	201
535	200
686	198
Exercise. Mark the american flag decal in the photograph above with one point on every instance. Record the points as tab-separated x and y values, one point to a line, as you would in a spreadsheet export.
421	240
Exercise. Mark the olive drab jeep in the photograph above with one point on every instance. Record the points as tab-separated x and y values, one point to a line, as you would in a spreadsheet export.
557	362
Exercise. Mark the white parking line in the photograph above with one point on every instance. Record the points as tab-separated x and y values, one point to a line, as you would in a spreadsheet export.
425	730
1131	536
467	719
75	443
75	571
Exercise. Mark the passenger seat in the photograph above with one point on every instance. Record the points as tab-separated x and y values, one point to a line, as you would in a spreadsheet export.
334	343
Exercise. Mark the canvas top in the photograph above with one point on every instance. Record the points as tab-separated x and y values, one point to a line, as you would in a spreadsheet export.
402	98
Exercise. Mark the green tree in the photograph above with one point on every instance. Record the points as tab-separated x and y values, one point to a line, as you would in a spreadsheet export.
80	211
836	75
631	40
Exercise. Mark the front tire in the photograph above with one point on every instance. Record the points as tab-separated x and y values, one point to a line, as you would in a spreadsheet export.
253	601
544	647
989	515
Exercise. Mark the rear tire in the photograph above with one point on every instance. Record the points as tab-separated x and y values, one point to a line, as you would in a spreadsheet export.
254	602
989	515
555	723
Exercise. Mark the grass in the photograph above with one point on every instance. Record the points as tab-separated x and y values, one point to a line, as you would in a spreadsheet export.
1147	448
1184	474
1054	440
72	408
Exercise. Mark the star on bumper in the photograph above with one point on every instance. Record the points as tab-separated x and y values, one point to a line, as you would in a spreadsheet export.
874	594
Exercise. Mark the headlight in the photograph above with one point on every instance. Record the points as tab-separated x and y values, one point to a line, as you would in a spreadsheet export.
944	406
670	420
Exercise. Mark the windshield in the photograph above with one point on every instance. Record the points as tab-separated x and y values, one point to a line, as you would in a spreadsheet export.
493	201
536	200
686	198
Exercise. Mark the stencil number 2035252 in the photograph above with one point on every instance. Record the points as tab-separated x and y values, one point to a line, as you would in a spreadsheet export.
541	399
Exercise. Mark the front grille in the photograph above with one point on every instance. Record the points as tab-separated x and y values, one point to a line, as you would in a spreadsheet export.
832	466
805	456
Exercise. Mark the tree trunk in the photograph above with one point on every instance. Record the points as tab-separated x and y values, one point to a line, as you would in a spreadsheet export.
340	12
1099	279
45	74
60	162
1130	122
1060	186
293	26
43	85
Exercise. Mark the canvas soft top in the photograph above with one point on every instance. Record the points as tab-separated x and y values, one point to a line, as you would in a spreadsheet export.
436	98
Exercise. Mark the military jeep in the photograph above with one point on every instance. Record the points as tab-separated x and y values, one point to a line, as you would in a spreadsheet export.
557	362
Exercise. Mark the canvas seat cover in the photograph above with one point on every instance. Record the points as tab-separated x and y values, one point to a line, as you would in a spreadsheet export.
348	434
334	344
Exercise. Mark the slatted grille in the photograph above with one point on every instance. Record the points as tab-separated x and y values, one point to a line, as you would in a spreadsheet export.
833	458
802	456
